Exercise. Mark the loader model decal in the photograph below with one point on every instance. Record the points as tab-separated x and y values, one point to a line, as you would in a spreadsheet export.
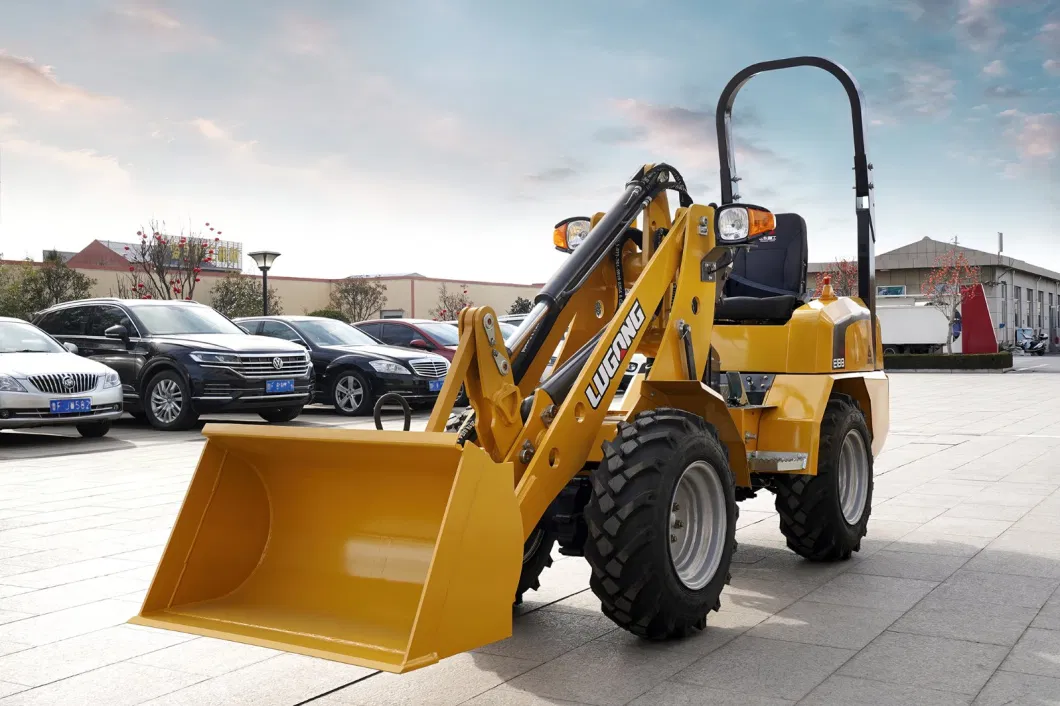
616	352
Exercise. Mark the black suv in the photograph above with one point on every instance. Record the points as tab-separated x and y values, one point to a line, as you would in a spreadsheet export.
180	359
352	368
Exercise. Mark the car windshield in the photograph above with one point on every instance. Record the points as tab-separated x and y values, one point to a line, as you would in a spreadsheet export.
335	333
24	338
444	333
170	320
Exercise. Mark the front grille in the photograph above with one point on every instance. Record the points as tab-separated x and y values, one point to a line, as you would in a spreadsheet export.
430	368
263	366
45	413
213	389
65	383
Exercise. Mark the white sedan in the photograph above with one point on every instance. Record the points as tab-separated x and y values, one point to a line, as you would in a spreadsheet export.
43	383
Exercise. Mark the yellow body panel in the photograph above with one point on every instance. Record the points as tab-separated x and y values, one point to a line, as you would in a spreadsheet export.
385	549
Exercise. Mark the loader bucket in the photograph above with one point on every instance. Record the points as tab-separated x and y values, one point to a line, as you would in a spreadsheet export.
385	549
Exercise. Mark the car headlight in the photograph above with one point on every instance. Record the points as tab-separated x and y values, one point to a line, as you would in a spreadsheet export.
385	366
216	358
111	380
10	384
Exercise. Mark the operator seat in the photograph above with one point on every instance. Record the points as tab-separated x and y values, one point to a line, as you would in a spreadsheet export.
768	280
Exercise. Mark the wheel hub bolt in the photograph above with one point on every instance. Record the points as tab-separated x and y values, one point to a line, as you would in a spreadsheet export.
678	524
673	538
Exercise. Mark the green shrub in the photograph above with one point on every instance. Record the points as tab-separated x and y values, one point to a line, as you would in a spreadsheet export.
946	361
330	314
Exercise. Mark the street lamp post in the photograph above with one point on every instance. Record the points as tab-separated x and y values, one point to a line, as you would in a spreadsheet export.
264	259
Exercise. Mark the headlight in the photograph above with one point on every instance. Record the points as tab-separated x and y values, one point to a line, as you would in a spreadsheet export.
110	380
569	234
736	223
216	358
10	384
733	224
385	366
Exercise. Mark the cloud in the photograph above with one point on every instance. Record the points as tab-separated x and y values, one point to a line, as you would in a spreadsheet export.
102	168
978	25
1004	92
7	122
37	85
553	174
215	133
1035	136
137	18
921	88
994	68
1052	66
307	36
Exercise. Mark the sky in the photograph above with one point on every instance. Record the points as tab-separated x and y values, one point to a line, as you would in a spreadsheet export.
448	137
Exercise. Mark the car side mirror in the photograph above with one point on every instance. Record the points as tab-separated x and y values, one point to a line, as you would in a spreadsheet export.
117	331
70	347
419	343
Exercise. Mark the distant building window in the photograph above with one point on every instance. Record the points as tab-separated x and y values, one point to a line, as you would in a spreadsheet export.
392	314
1019	305
890	290
1030	308
1041	308
1004	303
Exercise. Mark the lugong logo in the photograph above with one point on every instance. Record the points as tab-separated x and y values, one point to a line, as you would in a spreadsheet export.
612	362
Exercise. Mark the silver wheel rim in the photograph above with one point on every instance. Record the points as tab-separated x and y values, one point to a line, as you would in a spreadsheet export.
853	476
166	401
698	520
349	393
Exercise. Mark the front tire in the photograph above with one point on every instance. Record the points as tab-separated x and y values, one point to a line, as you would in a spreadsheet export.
662	524
280	414
351	394
167	402
824	517
94	430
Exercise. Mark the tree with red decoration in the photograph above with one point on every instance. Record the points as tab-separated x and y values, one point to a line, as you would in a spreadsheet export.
951	281
450	304
844	274
165	266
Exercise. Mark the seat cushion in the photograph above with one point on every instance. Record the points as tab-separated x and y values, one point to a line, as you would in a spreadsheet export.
759	309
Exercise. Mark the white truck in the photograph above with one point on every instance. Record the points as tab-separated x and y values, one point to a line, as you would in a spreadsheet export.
909	326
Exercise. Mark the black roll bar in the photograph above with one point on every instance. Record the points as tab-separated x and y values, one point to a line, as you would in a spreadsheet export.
864	202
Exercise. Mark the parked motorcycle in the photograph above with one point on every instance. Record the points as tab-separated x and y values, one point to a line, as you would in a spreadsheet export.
1035	345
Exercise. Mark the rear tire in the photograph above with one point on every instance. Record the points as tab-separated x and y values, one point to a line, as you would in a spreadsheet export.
652	576
824	517
280	414
94	430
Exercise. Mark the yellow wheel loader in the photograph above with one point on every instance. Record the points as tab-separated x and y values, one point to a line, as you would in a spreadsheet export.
395	549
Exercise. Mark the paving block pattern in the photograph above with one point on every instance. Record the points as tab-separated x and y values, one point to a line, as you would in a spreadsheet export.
953	599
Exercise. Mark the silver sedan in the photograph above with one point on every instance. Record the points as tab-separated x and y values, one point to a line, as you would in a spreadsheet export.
43	383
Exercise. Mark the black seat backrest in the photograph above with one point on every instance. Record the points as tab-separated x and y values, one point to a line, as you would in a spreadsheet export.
776	263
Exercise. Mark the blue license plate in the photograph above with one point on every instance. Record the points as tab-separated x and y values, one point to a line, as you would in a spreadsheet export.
272	386
435	385
70	406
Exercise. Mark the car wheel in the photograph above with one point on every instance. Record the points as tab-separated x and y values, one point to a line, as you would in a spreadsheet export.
94	430
167	402
351	394
280	414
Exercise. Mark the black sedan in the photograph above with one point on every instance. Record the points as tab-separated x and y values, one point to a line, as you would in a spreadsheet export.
353	369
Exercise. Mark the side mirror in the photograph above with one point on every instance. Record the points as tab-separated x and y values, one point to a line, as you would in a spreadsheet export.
419	343
117	331
70	347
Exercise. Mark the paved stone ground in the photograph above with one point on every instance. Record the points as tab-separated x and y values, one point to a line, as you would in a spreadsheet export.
953	600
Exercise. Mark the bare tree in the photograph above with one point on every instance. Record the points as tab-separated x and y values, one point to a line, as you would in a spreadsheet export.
358	298
450	304
163	266
952	281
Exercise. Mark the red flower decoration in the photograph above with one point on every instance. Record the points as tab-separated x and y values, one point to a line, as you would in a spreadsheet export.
126	247
197	279
132	269
139	285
